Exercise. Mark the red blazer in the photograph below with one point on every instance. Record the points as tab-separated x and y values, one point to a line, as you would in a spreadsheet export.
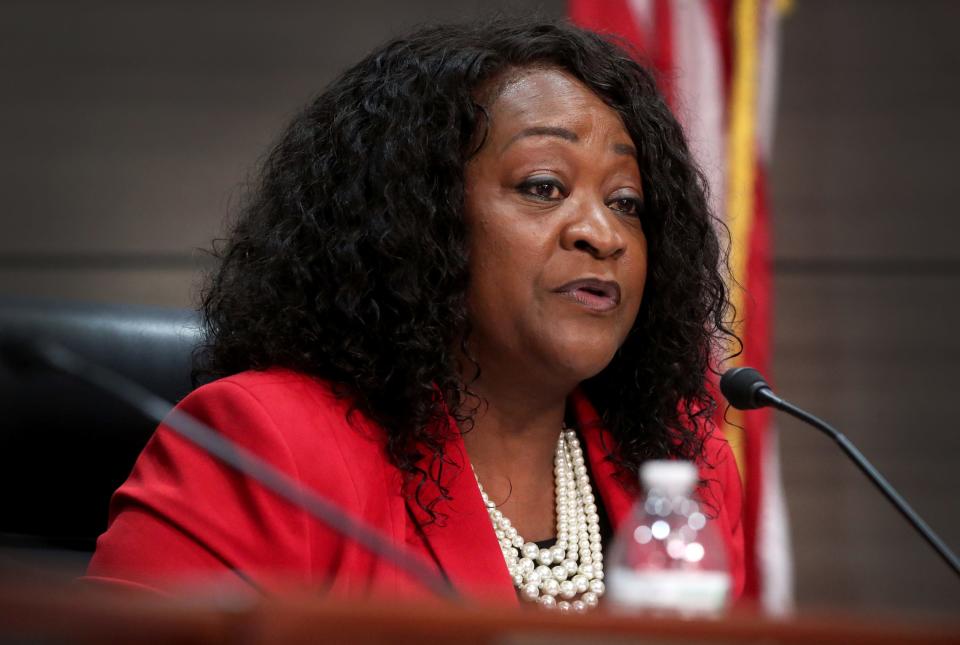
184	521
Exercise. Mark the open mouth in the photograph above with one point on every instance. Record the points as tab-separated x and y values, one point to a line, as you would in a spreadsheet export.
594	294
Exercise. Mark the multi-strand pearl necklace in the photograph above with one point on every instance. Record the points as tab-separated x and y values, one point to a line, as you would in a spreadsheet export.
569	575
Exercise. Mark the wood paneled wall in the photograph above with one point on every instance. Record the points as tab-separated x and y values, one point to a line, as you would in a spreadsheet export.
128	128
867	274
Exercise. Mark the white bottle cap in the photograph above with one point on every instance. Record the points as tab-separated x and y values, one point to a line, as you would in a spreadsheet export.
670	477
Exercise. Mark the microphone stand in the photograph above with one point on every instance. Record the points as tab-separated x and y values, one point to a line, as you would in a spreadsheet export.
766	395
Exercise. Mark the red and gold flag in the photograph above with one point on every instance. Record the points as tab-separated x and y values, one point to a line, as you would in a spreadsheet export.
716	62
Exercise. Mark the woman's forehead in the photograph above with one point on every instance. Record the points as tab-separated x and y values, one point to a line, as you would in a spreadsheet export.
549	97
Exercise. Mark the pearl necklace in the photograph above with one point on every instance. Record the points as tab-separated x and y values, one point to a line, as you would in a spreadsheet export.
577	557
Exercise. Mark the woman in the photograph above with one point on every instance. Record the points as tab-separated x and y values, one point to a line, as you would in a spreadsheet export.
477	283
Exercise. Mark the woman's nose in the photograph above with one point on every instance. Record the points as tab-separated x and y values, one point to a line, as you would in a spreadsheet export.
595	229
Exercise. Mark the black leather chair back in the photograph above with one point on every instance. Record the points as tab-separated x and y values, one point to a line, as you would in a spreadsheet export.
65	446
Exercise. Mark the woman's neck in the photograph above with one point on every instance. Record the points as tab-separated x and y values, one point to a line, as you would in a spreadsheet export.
519	406
511	446
514	419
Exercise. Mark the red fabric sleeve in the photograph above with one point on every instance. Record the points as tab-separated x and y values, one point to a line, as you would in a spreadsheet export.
184	517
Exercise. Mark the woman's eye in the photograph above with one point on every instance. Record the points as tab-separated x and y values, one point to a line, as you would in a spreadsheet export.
627	205
545	190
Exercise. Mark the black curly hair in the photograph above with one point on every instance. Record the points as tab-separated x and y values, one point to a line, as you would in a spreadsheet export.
349	259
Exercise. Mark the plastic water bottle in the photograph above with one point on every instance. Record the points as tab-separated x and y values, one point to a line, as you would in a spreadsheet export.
669	557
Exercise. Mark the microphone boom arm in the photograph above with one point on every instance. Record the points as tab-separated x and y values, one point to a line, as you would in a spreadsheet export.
766	395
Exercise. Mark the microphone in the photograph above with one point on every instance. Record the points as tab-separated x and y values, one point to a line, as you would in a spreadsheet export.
746	389
24	353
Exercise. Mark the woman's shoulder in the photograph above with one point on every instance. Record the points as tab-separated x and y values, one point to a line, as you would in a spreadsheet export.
274	385
719	469
278	390
717	453
308	413
184	515
722	492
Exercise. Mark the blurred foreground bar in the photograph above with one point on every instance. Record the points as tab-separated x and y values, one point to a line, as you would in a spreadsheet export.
74	614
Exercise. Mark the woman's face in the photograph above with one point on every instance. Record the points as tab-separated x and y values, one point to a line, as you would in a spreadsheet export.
558	257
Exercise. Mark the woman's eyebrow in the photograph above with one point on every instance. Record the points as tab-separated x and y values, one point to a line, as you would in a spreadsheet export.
543	131
566	135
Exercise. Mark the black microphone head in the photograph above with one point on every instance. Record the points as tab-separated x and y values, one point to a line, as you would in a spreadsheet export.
740	385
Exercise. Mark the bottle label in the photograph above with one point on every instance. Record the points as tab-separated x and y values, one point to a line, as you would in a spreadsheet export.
697	592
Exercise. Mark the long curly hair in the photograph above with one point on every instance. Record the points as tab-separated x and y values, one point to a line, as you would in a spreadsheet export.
349	258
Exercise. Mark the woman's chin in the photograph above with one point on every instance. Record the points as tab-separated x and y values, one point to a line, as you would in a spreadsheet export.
580	361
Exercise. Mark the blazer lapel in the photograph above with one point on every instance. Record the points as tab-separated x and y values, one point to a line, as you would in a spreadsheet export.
617	492
461	538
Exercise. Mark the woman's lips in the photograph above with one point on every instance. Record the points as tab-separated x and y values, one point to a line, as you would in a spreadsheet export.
594	294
